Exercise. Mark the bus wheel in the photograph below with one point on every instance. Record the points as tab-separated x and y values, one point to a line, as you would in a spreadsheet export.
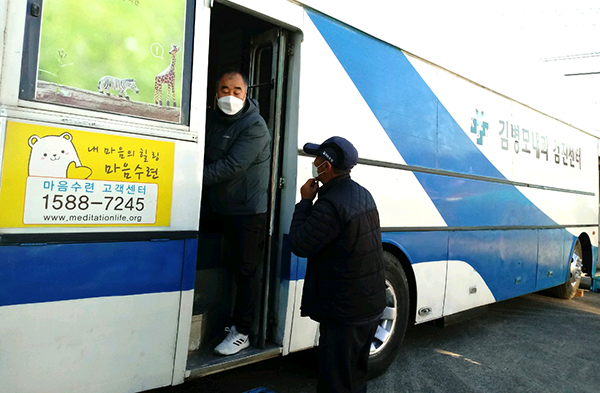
392	325
569	288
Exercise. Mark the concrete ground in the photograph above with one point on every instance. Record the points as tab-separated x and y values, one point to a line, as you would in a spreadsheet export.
533	343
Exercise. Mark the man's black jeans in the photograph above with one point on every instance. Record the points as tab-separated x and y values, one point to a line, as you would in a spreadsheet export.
344	357
245	244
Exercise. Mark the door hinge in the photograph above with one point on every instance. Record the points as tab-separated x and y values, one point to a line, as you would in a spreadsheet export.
290	49
281	183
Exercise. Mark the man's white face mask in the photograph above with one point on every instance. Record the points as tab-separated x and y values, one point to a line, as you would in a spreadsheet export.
230	105
315	170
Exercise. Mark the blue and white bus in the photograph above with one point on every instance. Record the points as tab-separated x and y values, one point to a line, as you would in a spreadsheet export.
106	284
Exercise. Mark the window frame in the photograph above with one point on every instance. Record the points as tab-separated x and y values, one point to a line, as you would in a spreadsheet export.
28	77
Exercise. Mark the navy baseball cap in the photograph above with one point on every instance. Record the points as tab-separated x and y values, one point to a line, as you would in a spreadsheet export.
337	150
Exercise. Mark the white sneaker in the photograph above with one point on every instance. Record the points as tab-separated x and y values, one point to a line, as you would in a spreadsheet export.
233	343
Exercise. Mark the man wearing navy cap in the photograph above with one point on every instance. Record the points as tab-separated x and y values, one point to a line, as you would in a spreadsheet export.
344	287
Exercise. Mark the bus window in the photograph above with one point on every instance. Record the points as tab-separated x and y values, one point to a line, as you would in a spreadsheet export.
138	68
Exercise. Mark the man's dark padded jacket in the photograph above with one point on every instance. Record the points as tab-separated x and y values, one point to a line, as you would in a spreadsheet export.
237	161
341	237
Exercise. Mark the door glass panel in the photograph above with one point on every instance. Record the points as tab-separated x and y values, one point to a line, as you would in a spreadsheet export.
263	79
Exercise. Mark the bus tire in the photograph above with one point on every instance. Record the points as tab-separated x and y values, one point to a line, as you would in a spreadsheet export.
568	289
392	326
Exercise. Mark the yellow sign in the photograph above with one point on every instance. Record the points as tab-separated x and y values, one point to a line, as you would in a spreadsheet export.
61	177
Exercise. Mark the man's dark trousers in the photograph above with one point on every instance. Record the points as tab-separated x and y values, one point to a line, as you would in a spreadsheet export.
245	243
344	357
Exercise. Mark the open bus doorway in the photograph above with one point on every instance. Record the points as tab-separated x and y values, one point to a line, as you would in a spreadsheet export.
258	49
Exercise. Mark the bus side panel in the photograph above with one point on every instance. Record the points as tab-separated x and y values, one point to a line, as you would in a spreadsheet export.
185	310
507	260
99	317
445	279
428	254
553	260
440	121
525	146
468	214
482	266
304	331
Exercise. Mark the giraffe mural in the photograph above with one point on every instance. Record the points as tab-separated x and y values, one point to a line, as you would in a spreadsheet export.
168	77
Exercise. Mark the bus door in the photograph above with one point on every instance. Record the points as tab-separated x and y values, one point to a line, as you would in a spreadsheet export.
267	79
256	48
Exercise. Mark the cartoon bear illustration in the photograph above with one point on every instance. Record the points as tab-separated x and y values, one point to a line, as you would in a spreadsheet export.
51	156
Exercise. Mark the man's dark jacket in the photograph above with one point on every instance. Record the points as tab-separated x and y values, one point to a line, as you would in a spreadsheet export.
341	236
237	161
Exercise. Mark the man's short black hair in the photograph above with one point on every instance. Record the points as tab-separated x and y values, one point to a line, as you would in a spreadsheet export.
339	171
231	71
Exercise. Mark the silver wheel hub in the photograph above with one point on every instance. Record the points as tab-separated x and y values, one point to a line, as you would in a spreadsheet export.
575	268
387	323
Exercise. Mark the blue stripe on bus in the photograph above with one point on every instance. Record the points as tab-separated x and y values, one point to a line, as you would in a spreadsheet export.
419	246
466	202
292	267
55	272
509	261
188	275
425	133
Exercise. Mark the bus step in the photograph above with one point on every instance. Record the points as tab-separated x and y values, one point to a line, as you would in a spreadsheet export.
201	363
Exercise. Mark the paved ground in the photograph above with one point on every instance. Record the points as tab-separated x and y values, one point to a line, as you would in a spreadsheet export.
533	343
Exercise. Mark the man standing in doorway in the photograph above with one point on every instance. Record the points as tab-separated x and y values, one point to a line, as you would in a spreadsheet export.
344	287
235	186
